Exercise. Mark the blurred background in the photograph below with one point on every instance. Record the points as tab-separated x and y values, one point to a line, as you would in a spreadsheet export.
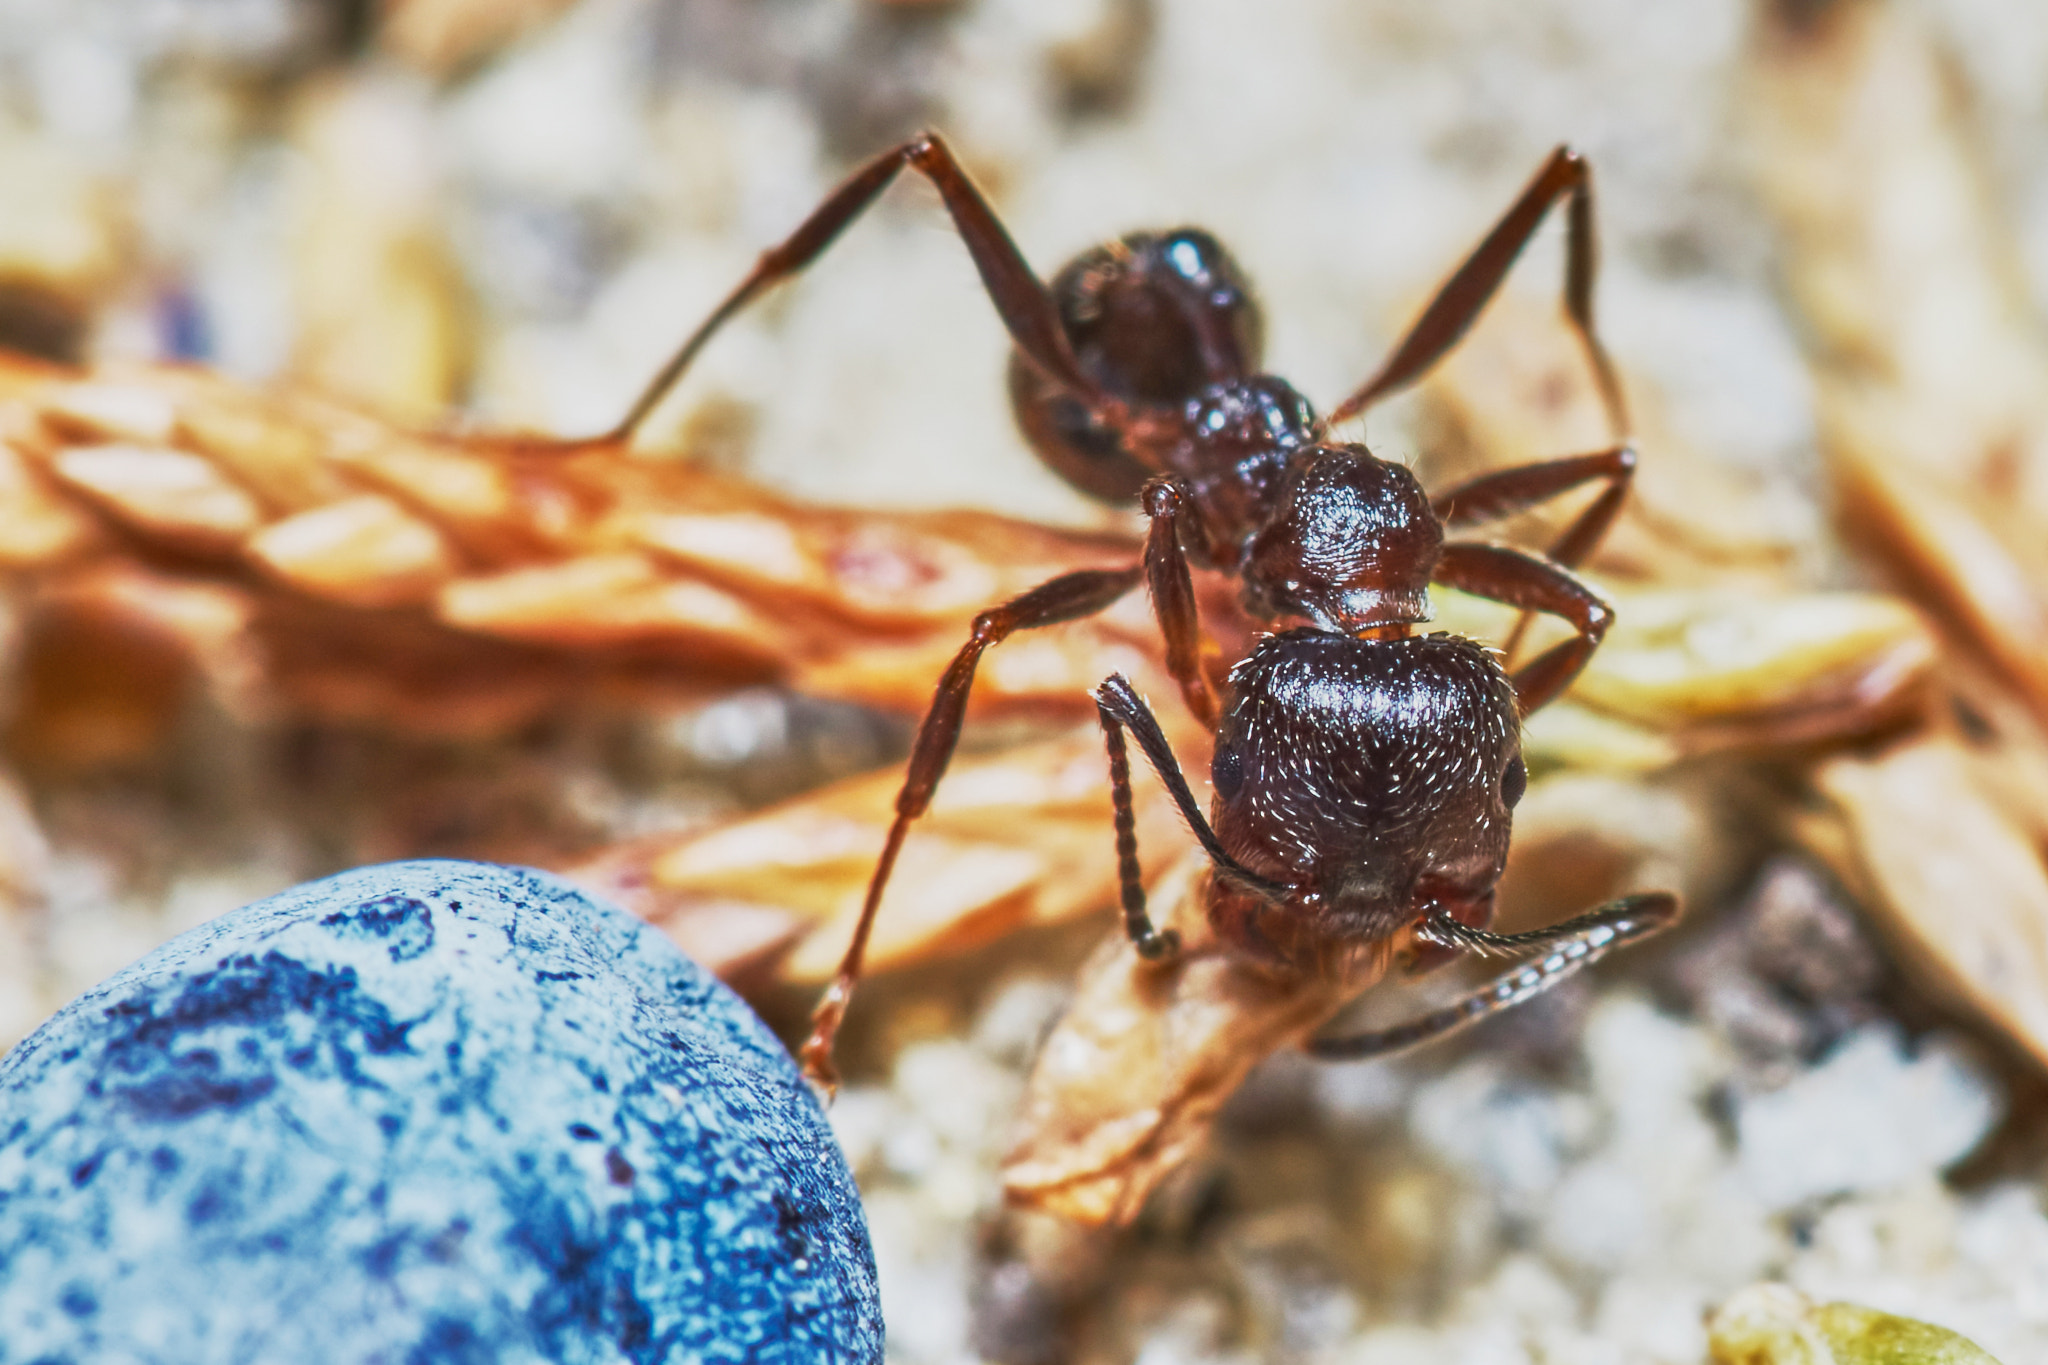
481	215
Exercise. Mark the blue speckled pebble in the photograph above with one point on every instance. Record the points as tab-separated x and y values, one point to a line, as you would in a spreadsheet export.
431	1112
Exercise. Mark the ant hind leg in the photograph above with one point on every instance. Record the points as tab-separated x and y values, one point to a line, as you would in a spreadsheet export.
1066	598
1458	303
1026	308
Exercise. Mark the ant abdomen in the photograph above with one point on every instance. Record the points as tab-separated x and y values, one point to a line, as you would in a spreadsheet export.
1366	776
1154	318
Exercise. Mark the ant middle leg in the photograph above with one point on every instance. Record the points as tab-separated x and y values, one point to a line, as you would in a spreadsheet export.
1069	597
1508	491
1026	308
1574	945
1491	497
1520	579
1458	303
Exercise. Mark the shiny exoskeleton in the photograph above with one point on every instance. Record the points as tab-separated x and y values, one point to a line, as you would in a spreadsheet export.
1364	773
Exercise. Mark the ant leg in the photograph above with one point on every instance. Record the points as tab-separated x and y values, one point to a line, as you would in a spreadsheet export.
1579	943
1459	302
1522	580
1066	598
1027	310
1167	501
1152	943
1507	491
1120	708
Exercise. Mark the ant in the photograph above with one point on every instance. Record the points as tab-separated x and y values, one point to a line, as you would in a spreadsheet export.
1364	773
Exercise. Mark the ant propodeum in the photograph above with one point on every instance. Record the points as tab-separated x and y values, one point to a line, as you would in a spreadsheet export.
1364	773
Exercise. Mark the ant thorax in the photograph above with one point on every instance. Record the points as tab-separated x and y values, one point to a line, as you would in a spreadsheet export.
1369	778
1350	544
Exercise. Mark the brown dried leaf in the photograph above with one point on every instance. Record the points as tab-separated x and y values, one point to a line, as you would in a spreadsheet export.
441	37
108	654
62	232
169	495
364	551
382	310
1894	249
1931	372
1720	668
37	526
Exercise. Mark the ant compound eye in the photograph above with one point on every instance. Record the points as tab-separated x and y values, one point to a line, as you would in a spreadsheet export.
1513	782
1186	259
1226	773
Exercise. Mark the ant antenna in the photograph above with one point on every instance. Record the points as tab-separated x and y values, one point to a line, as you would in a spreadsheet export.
1581	942
1121	708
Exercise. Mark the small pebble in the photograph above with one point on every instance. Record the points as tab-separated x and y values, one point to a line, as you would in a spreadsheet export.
1770	1324
1871	1116
433	1111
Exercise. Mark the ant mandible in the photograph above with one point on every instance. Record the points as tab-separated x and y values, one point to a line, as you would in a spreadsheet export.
1364	774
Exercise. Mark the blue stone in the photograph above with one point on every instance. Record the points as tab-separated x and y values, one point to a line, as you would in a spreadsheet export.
430	1112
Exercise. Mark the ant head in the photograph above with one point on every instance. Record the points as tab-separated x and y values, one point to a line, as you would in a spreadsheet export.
1351	544
1370	776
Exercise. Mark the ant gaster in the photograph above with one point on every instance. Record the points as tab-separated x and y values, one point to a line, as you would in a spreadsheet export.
1364	774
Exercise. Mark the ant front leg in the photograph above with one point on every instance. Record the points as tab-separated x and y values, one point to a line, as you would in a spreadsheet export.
1461	299
1522	580
1027	310
1066	598
1574	945
1170	506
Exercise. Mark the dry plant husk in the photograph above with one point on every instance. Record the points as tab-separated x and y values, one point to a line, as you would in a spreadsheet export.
306	558
1012	840
1930	381
446	37
1127	1085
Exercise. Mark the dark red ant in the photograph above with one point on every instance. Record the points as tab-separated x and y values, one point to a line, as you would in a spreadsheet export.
1364	774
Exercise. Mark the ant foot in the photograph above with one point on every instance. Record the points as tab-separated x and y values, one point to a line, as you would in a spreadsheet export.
816	1053
1158	944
